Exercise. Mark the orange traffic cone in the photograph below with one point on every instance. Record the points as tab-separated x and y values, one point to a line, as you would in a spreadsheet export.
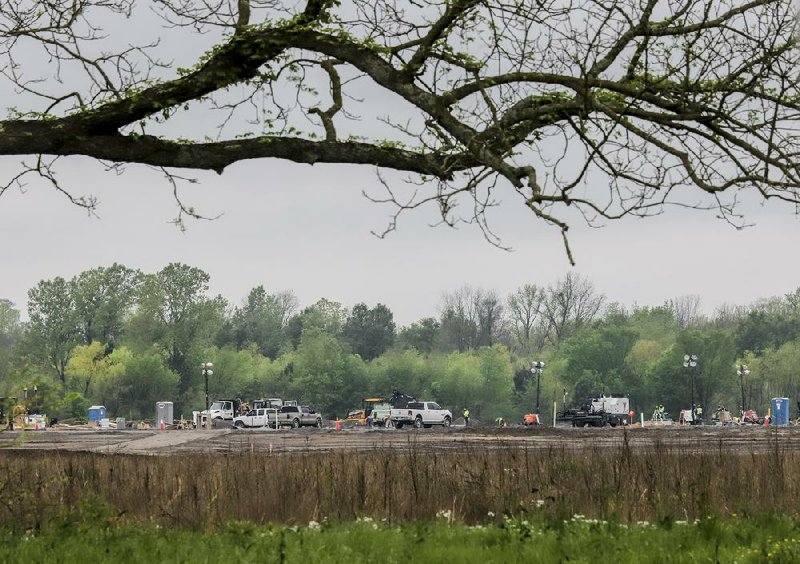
338	425
161	426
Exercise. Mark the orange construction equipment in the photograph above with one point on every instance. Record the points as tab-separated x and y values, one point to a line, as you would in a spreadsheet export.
531	419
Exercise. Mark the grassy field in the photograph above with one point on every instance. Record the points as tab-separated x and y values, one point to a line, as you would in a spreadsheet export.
513	540
491	504
200	492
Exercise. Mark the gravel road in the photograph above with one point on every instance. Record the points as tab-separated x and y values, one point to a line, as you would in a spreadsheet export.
154	442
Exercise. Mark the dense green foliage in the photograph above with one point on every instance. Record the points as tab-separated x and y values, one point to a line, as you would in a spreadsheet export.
126	339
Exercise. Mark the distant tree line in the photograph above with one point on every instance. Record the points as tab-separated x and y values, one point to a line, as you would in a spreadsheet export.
126	339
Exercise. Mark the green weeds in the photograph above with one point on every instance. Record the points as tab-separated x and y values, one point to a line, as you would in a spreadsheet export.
578	539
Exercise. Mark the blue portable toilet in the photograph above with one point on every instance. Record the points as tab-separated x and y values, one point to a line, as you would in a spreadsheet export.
96	413
780	411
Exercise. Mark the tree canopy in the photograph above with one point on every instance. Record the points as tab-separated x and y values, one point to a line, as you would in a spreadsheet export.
165	325
611	108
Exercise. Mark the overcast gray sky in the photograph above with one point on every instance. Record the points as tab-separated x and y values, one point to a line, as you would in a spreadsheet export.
307	229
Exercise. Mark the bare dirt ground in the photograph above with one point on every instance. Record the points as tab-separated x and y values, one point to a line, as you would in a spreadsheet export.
743	440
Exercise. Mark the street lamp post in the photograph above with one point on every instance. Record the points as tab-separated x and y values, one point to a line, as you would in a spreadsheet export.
742	370
536	370
207	366
690	362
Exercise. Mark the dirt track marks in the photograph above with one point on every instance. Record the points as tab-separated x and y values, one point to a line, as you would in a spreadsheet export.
703	439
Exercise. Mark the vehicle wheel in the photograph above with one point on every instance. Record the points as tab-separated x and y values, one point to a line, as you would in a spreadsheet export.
239	425
447	421
399	425
295	423
418	422
319	423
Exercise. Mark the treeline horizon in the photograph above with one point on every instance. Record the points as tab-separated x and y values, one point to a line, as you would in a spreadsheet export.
126	339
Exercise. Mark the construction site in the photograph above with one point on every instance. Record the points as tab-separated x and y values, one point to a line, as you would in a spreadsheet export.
174	441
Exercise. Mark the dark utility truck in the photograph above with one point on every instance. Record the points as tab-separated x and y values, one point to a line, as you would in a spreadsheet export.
598	411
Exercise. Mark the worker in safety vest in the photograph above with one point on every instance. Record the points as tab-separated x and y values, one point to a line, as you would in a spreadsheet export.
466	417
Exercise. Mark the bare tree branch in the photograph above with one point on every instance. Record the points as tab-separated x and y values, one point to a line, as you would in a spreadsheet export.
607	108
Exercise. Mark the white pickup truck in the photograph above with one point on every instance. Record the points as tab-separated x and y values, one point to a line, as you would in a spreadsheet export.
420	414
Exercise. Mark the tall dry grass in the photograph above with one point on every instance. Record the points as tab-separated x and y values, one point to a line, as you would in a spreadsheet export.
204	491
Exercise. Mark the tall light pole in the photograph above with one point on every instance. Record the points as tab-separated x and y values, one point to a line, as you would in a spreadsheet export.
742	370
690	362
207	366
536	370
